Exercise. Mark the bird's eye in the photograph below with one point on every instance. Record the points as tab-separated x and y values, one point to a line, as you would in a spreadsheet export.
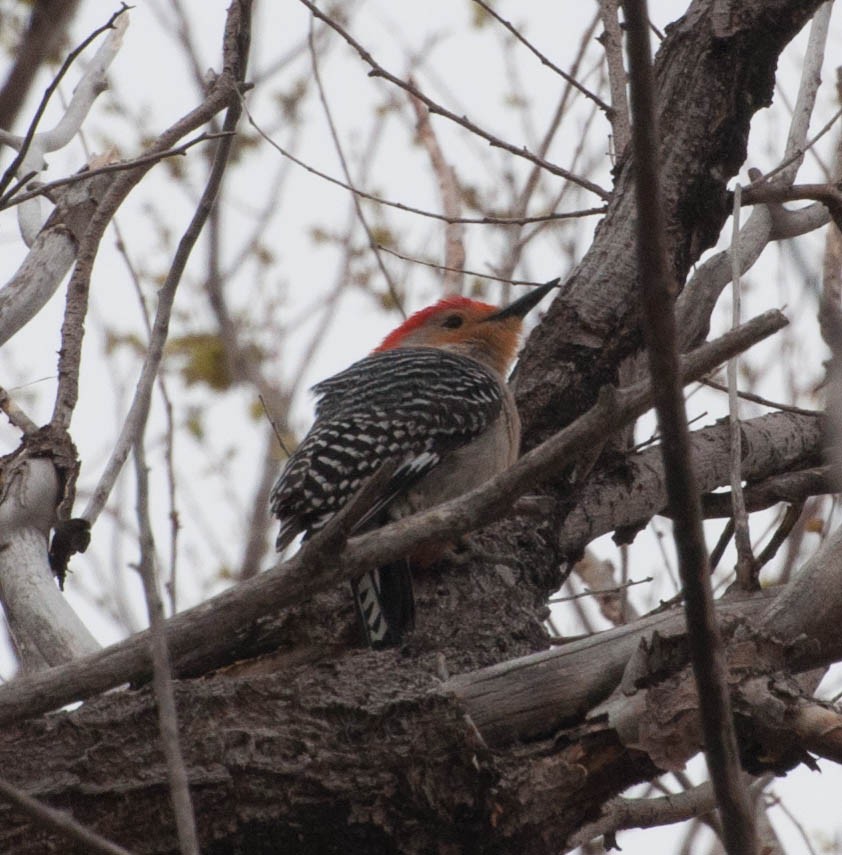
453	322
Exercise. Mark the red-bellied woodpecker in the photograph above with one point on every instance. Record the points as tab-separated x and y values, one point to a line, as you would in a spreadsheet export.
432	402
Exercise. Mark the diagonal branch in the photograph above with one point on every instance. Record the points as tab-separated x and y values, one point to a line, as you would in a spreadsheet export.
224	88
435	108
210	626
773	446
48	21
139	409
59	821
569	78
490	219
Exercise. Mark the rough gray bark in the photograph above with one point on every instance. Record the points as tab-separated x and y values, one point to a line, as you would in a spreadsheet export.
772	444
514	757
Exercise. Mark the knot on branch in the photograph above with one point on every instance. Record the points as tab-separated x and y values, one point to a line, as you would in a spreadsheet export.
53	443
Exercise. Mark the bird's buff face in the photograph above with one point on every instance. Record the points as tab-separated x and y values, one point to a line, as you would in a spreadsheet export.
462	326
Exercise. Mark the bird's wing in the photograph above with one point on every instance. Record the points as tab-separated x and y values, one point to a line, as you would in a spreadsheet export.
409	406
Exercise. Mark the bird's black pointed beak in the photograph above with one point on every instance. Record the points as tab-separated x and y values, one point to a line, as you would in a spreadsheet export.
524	304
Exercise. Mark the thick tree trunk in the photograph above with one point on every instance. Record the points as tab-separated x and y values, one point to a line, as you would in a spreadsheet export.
714	70
368	753
372	753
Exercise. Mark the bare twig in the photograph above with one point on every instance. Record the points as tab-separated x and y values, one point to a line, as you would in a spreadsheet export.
460	270
791	517
9	200
774	801
517	241
745	559
23	145
59	821
493	220
47	23
799	152
185	820
224	88
136	417
372	243
256	531
454	244
15	414
704	638
721	544
169	444
599	591
759	399
91	85
597	575
544	61
702	291
612	41
435	108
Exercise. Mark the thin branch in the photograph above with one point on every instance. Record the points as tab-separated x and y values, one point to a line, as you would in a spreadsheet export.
185	819
600	591
774	801
48	22
612	41
759	399
372	243
702	291
10	200
169	436
746	576
517	241
799	152
15	414
479	221
722	544
460	270
543	59
704	638
598	575
782	532
138	410
454	244
23	145
91	85
59	821
258	517
378	71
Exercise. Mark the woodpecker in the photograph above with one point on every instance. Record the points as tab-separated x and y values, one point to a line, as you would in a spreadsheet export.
433	403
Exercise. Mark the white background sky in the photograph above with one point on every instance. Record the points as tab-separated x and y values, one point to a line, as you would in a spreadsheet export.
464	70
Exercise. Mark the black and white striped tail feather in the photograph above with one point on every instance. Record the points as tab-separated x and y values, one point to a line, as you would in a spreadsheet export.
385	604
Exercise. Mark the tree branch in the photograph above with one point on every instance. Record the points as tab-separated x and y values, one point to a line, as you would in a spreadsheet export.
658	292
436	109
210	626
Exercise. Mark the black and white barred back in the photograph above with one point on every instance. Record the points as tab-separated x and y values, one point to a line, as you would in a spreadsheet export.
407	406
